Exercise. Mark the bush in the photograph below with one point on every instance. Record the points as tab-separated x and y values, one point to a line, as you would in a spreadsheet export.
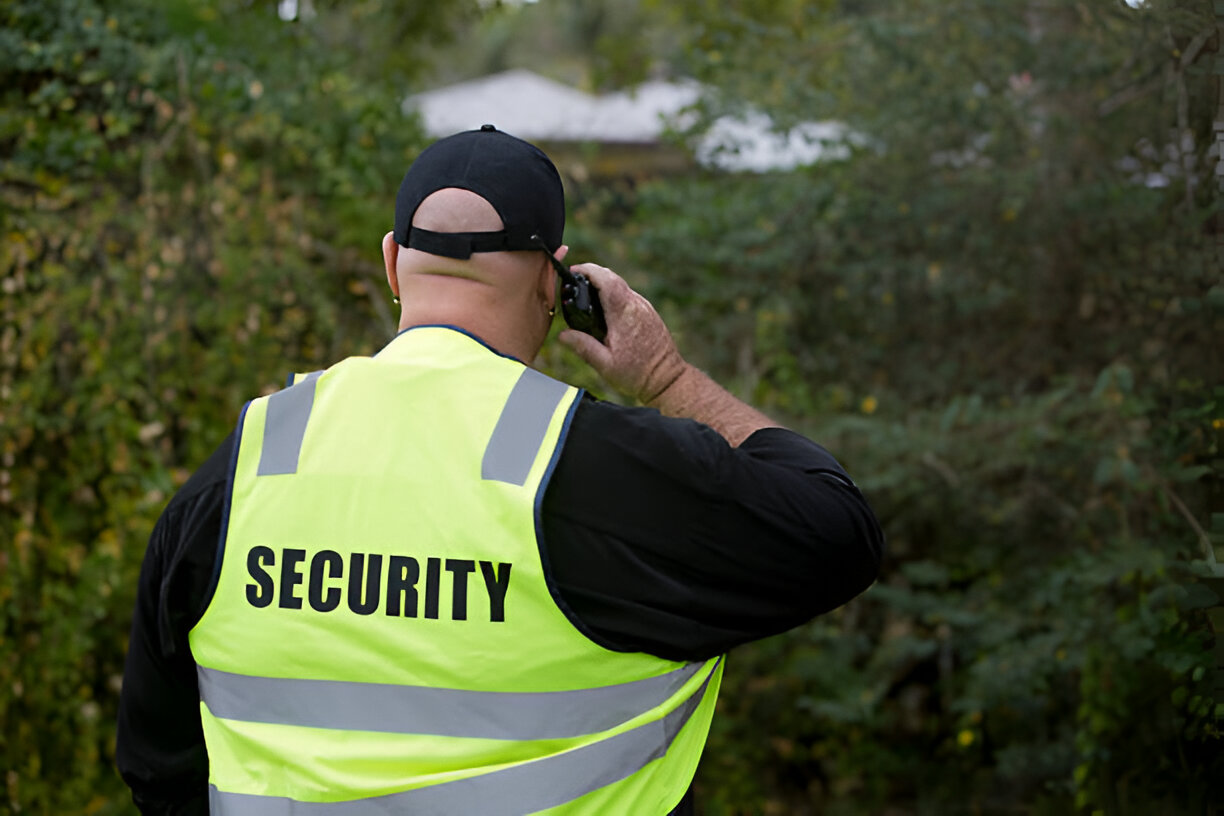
178	232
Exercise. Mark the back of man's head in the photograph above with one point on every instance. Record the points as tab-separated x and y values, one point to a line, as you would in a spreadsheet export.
517	180
472	217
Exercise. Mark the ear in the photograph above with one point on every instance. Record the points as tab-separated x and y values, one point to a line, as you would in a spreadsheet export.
390	251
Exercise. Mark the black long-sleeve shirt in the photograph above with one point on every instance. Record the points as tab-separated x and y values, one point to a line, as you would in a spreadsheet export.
658	535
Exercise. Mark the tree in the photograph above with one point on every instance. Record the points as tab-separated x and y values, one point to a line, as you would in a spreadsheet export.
188	193
1000	309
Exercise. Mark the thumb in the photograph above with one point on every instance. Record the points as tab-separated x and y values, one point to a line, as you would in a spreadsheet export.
593	353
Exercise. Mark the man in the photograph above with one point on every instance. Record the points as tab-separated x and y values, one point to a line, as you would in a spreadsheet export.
437	581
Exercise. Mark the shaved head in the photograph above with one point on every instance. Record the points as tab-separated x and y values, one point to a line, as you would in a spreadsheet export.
475	218
454	210
506	297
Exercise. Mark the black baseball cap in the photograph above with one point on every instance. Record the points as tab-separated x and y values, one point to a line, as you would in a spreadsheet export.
513	175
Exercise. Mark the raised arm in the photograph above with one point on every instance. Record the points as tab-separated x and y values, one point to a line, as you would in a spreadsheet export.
640	359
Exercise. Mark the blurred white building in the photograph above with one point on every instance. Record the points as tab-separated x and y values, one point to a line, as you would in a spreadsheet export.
628	128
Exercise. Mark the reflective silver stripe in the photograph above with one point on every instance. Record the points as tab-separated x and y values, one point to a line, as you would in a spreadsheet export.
296	377
285	427
521	427
521	789
442	712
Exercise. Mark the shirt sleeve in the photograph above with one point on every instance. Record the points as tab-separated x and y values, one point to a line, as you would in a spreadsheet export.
659	537
160	743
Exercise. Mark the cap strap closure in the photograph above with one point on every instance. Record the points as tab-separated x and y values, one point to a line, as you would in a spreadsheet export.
461	245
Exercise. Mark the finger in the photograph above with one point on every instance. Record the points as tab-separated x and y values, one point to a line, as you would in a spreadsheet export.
592	352
601	276
613	290
561	252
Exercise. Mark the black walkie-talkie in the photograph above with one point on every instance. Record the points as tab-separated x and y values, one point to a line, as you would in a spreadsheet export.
579	299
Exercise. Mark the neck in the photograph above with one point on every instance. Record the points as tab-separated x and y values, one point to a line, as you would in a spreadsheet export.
492	329
498	297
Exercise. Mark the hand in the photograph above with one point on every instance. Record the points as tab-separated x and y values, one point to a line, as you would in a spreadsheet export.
638	357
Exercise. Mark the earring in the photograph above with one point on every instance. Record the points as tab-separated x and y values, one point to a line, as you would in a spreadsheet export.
395	299
552	311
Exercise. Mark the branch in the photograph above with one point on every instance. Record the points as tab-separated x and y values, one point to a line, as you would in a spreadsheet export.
941	467
1130	94
1204	539
1154	80
1196	46
1150	81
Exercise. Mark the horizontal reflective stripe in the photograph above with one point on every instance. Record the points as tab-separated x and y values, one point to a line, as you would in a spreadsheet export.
521	789
285	427
398	709
521	428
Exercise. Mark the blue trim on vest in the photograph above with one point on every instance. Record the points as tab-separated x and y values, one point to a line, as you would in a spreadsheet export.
459	329
225	510
545	566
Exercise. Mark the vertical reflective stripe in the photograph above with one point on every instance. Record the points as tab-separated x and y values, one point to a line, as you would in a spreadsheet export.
296	377
285	427
525	788
521	428
507	715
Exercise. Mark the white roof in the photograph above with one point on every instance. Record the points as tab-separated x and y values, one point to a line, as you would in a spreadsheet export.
535	108
751	143
523	104
641	114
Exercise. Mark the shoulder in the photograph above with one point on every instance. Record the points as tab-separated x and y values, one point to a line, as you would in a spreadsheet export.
618	444
660	537
604	434
181	557
210	477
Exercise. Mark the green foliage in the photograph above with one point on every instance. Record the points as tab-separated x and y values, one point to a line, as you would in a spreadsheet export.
1012	342
595	44
185	219
1009	339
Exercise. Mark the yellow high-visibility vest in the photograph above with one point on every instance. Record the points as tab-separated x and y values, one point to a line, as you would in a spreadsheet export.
382	638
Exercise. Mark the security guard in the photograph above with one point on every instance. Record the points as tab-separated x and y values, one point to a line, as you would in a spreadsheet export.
447	583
